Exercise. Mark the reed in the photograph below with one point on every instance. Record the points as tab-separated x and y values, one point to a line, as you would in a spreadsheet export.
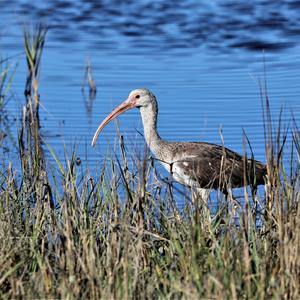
67	234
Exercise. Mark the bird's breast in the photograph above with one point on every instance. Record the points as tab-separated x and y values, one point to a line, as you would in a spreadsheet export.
179	174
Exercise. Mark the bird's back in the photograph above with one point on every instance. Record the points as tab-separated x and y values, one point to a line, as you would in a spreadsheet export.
214	166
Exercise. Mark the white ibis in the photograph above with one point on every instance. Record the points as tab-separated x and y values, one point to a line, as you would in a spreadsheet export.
200	165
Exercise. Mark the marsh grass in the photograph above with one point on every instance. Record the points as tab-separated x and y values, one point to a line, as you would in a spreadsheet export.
66	234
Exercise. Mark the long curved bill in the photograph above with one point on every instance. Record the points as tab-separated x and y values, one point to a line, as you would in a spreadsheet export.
126	105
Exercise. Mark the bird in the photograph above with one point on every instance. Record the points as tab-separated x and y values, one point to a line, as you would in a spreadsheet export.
199	165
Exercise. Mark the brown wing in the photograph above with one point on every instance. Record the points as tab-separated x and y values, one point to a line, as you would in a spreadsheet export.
214	166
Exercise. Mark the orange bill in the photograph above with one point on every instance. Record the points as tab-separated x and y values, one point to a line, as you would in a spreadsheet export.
126	105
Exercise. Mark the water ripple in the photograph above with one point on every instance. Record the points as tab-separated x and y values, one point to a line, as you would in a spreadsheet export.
254	26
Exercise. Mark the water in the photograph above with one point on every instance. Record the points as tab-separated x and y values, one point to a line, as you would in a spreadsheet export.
201	60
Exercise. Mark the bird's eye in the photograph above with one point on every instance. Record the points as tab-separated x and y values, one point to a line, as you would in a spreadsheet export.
137	96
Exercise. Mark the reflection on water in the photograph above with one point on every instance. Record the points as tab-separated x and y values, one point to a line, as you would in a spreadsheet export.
90	85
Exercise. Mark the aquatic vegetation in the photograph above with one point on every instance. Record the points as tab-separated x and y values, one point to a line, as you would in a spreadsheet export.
67	234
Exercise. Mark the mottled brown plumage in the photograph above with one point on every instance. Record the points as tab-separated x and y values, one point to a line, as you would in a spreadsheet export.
194	164
214	166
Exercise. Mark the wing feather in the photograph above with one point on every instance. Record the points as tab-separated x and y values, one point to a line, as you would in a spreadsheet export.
214	166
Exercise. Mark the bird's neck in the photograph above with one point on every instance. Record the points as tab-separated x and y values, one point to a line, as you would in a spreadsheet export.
149	118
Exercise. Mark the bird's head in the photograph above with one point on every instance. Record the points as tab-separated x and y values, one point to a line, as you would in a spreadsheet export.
141	97
138	98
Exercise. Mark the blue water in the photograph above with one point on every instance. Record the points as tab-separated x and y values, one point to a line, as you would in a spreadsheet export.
201	60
